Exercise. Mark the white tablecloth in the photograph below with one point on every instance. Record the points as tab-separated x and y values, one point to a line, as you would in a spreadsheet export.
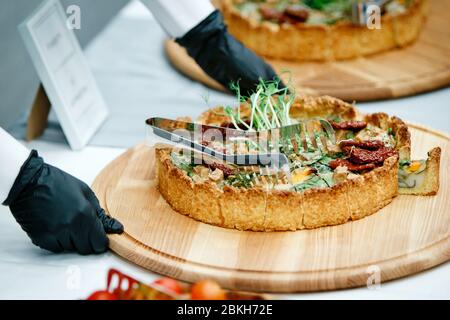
27	272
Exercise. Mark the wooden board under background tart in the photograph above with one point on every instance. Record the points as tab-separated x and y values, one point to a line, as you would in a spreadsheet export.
420	67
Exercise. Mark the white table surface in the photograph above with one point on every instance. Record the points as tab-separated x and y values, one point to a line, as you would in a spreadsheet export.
26	272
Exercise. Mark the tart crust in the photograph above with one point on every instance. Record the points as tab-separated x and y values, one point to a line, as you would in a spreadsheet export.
257	209
343	40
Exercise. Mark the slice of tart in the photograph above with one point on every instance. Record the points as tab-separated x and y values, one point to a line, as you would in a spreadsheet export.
420	177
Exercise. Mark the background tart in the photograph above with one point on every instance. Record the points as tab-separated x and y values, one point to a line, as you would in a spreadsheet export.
259	209
324	42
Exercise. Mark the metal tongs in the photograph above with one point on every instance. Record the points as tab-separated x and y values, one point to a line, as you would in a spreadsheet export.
360	13
216	141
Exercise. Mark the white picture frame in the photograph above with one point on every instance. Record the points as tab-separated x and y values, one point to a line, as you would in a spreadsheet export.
64	72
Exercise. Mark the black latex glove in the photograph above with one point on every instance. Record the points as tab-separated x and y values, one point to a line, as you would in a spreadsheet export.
223	57
57	211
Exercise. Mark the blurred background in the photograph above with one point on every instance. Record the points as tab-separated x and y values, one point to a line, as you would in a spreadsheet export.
19	79
125	49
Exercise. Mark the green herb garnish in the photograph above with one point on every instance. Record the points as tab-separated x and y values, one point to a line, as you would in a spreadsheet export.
241	180
403	163
349	135
183	162
314	182
269	105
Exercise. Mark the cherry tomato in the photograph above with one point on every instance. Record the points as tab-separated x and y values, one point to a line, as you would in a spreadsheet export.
122	294
207	290
170	284
102	295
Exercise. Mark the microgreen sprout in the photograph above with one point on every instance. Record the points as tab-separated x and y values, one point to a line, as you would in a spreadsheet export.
269	103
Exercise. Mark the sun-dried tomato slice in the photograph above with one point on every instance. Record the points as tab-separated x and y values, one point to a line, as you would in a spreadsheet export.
367	144
297	13
362	156
270	13
349	125
351	166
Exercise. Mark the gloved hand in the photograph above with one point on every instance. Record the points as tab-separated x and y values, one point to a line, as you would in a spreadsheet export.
57	211
223	57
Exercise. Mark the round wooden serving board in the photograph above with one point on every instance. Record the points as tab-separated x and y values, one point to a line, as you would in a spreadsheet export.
421	67
409	235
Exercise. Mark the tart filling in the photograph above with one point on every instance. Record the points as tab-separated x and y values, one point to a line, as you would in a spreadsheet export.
420	177
307	169
411	174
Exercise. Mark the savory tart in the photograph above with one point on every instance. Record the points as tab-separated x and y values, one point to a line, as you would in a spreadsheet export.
320	30
352	179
